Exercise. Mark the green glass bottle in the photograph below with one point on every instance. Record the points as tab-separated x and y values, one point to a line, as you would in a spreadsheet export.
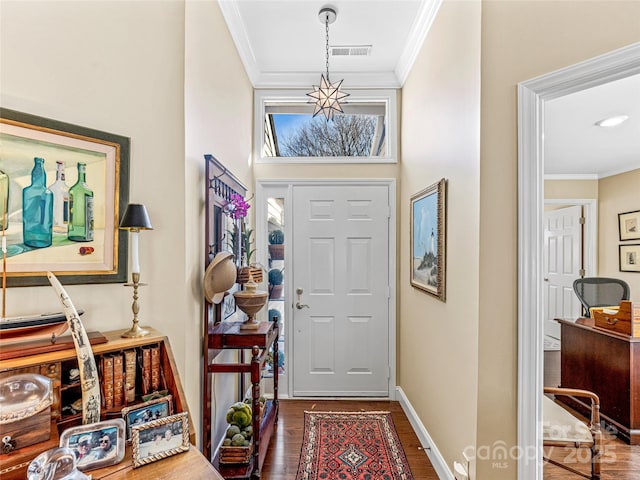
4	201
80	208
37	209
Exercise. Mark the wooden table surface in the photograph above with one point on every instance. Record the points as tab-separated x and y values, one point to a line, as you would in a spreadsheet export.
191	464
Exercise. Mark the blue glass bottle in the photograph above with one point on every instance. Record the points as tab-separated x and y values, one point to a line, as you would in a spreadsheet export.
37	209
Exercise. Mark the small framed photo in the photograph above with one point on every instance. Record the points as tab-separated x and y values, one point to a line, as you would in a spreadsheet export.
630	258
146	412
96	445
160	439
629	225
428	239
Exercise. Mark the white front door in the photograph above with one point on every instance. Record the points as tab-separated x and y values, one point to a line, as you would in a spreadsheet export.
563	264
341	269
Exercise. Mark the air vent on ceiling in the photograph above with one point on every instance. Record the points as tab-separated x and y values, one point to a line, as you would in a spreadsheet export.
350	50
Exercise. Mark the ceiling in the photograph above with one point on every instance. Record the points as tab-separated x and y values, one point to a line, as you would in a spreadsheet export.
282	42
282	45
575	146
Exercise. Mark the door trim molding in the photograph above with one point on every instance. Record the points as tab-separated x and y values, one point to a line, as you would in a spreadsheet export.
264	185
532	96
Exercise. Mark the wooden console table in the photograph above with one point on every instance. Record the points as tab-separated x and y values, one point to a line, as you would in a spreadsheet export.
226	335
608	364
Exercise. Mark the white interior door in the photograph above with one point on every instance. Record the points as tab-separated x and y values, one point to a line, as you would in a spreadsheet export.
340	264
563	264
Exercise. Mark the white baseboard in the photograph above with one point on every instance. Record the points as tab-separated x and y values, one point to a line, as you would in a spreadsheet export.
436	459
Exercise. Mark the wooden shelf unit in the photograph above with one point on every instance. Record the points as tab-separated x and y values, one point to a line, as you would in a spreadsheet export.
53	365
219	335
229	336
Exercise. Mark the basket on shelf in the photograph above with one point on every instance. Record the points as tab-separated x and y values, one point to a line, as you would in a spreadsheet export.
230	454
245	272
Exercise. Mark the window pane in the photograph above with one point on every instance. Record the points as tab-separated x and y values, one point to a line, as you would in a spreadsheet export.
291	132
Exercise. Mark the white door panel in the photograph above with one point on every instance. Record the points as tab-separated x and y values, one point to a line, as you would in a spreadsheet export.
341	262
563	261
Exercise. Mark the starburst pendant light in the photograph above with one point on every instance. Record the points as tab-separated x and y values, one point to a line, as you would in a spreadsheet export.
327	96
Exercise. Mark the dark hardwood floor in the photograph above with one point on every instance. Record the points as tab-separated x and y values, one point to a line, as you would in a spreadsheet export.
619	462
281	462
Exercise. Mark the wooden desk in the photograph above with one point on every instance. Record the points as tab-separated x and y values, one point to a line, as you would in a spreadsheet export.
191	463
607	364
53	364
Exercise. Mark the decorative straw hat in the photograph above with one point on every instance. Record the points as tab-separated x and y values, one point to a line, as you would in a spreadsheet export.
219	277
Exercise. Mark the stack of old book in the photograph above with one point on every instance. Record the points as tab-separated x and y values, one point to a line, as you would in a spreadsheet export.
107	380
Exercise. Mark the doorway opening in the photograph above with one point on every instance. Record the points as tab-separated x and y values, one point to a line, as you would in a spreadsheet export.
532	96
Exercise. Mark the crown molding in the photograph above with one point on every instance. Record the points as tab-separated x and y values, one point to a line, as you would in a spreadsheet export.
419	30
351	79
236	27
571	176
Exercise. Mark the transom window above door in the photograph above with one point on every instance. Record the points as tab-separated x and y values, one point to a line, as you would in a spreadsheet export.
287	132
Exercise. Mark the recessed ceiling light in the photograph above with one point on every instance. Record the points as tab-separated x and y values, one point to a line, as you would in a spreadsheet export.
612	121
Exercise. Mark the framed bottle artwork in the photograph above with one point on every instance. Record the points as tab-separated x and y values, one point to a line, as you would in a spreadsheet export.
63	190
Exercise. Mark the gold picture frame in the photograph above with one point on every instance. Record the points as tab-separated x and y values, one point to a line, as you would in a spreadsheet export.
428	239
160	439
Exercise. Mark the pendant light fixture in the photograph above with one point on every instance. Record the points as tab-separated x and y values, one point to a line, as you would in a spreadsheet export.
328	95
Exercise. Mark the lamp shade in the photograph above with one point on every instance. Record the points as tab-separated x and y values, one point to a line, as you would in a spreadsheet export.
136	218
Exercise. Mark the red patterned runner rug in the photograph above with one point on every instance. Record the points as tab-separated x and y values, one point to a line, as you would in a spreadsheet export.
351	446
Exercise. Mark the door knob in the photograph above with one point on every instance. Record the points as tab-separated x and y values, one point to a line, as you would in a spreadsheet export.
299	305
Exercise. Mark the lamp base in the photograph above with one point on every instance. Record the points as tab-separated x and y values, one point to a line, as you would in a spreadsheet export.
135	332
252	324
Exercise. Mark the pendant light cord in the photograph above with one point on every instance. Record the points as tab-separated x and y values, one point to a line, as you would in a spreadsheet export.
326	23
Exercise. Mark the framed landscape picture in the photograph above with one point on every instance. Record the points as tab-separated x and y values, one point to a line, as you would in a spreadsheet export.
63	190
629	225
428	239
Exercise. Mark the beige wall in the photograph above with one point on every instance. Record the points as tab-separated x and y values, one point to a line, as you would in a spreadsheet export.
520	40
218	120
618	194
438	342
570	189
125	77
130	79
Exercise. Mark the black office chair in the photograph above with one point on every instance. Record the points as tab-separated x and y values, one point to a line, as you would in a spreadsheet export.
600	292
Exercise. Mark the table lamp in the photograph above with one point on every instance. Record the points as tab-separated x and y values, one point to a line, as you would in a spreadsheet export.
135	218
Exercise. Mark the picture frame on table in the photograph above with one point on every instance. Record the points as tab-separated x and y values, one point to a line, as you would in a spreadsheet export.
630	257
146	412
38	237
428	239
629	225
96	445
160	439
